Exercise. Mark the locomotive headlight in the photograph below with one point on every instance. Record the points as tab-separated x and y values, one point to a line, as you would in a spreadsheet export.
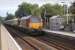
41	25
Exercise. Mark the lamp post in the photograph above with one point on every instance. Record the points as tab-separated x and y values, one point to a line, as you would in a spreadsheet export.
45	17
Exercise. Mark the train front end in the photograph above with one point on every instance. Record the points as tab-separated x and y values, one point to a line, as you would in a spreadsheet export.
36	24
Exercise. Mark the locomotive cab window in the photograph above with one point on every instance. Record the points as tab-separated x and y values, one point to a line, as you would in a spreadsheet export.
35	20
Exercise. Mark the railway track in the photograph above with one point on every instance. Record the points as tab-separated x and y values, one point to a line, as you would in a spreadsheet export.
65	42
56	42
60	45
30	42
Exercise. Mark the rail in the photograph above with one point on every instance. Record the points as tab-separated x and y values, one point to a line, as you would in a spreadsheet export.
7	41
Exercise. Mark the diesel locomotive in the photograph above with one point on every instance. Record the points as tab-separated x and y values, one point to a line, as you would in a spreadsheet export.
29	24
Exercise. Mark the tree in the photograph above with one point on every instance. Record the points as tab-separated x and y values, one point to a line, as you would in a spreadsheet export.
23	10
33	9
1	19
58	9
53	9
36	11
26	9
9	16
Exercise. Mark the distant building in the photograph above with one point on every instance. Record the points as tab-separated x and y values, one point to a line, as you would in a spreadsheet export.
56	23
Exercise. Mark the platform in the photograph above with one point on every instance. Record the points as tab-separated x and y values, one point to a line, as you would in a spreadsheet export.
7	41
72	34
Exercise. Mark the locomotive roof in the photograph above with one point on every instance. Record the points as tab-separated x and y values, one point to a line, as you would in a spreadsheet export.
13	19
54	17
26	17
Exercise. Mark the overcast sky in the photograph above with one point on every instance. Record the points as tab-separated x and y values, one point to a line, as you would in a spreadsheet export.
11	6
